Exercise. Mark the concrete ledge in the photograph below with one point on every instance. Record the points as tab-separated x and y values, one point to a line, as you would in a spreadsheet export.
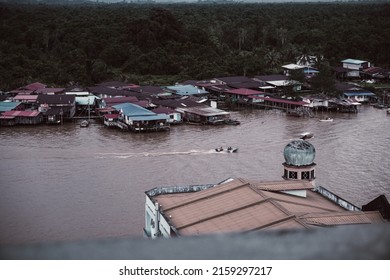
364	242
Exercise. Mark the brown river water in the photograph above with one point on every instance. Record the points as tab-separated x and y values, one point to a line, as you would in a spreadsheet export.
68	183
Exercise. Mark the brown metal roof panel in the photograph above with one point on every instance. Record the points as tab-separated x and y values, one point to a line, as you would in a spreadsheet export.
292	223
187	198
374	216
242	220
312	199
346	218
301	209
214	206
283	185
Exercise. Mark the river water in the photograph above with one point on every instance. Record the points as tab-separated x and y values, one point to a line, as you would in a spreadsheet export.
69	183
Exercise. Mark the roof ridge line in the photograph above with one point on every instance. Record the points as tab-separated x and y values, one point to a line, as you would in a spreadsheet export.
289	217
206	197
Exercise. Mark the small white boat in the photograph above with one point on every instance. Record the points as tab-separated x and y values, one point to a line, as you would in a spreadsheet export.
84	123
306	135
327	119
228	150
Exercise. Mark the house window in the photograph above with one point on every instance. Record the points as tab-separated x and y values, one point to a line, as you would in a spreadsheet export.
305	175
312	174
293	175
285	173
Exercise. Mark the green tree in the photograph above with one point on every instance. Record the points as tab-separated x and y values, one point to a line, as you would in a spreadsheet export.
324	81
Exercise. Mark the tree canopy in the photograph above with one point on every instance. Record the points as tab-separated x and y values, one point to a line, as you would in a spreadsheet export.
91	43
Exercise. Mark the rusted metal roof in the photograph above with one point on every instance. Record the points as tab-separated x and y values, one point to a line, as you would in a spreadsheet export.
244	91
25	97
34	86
21	113
239	205
348	217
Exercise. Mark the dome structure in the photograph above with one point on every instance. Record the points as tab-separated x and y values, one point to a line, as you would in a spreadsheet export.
299	153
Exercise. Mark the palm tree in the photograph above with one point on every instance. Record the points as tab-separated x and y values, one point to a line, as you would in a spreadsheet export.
272	59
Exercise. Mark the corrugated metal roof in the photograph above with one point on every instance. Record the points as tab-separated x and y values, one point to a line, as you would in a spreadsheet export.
34	86
205	111
25	97
244	91
234	79
353	61
133	110
86	100
329	219
100	90
150	118
21	113
22	91
283	185
164	110
8	106
56	99
268	78
109	101
240	205
186	90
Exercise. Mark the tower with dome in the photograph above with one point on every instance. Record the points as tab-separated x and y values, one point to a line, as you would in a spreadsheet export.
299	161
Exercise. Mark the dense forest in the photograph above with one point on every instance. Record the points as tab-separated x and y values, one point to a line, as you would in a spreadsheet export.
166	43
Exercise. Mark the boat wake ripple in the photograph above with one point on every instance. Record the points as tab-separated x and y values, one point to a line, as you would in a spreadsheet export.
155	154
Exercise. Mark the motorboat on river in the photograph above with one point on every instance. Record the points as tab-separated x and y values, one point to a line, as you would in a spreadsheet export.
306	135
84	123
327	119
228	150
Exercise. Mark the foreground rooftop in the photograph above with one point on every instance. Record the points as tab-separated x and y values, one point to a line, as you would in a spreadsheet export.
240	205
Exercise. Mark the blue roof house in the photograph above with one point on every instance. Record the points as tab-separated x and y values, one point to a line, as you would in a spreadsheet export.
354	66
360	95
186	90
140	119
9	106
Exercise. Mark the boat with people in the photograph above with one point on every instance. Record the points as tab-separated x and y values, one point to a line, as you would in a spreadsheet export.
306	135
327	119
228	150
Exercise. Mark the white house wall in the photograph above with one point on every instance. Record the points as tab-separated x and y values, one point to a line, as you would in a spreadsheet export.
351	66
164	227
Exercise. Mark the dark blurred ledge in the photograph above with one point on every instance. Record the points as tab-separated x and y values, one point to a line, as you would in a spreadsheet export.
364	242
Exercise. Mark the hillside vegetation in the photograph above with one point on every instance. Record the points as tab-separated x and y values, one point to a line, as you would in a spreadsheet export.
160	44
